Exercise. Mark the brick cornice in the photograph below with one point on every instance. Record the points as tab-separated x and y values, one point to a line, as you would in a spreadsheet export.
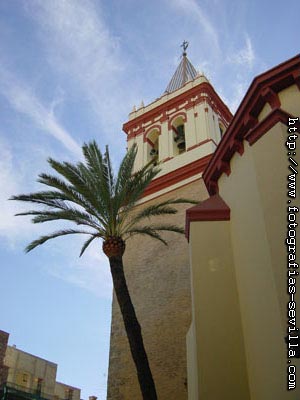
212	209
175	102
245	126
176	176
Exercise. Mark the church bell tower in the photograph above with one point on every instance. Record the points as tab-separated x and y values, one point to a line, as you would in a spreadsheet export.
180	130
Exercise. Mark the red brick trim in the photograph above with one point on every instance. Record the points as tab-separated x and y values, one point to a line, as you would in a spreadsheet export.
201	143
266	124
179	114
149	141
176	101
176	176
150	129
264	88
167	159
271	97
212	209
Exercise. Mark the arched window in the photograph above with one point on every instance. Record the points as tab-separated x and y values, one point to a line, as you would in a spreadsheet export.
179	143
222	129
152	145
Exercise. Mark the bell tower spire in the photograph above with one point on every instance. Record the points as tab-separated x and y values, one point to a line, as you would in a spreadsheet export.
181	129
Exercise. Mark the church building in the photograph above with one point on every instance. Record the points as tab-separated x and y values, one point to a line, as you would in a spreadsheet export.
212	308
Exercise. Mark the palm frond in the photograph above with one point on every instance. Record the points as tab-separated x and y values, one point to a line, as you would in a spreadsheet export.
146	231
126	169
98	170
88	194
53	235
167	227
68	193
87	243
43	198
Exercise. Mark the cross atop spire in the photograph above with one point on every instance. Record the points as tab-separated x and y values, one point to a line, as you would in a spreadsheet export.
184	45
185	72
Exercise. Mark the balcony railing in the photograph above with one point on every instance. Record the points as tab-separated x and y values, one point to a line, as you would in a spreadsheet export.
10	390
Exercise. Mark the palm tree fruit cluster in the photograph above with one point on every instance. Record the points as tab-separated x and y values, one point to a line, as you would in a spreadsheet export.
113	246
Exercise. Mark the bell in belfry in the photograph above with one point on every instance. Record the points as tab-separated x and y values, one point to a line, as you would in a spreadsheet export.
180	137
153	152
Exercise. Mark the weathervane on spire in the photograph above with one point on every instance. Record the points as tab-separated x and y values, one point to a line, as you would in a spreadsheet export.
184	45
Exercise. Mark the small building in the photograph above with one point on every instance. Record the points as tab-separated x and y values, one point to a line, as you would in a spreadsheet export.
25	376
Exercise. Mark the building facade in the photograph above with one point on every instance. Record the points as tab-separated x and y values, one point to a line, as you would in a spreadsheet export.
243	271
25	376
181	131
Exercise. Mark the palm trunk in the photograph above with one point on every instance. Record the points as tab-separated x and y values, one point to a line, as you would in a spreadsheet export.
133	330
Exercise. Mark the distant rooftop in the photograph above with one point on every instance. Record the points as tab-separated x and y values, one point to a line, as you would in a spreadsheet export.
185	72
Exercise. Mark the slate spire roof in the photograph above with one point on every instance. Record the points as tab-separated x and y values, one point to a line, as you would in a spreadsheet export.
185	72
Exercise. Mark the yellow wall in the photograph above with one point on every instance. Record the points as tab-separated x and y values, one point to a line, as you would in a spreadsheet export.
220	353
25	369
61	390
239	274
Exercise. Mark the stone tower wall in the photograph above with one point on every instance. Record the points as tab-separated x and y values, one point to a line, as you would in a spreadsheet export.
158	278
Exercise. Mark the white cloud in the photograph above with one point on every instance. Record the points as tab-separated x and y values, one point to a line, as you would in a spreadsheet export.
11	178
245	56
80	47
194	10
23	100
90	272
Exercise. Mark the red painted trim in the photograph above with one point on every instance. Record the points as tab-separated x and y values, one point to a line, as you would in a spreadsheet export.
201	143
212	209
266	124
271	97
264	88
153	128
167	159
176	176
149	141
180	114
150	129
198	179
177	101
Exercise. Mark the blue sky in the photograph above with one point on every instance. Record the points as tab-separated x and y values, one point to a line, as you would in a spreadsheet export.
70	72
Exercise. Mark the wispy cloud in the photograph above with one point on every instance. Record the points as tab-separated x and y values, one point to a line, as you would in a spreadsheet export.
245	56
90	272
79	46
195	11
11	182
24	101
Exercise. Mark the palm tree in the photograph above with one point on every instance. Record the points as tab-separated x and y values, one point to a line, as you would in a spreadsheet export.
89	195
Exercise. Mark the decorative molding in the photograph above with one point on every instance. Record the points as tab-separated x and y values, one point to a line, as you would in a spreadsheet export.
149	130
179	114
177	175
245	125
212	209
204	91
266	124
200	144
271	97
